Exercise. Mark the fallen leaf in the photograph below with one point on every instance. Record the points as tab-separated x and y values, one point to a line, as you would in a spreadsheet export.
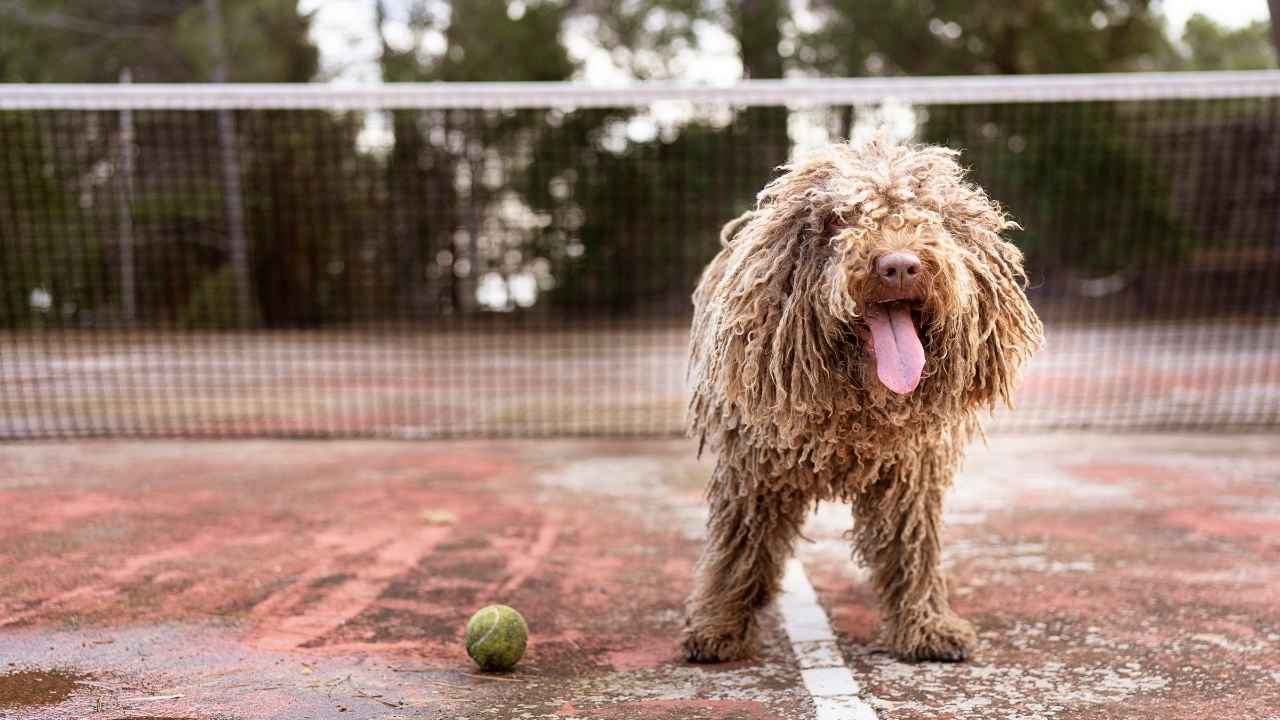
438	517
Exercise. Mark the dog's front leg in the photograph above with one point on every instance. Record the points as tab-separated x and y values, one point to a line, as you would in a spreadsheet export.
749	538
896	531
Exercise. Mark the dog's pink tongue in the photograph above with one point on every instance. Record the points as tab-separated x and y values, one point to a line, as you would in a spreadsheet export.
899	354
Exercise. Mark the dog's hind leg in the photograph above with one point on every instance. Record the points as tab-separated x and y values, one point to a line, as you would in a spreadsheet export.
896	531
749	539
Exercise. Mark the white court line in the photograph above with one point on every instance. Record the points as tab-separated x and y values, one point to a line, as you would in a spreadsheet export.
829	681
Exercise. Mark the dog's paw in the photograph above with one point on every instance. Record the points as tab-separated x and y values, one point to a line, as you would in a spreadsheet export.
946	638
703	647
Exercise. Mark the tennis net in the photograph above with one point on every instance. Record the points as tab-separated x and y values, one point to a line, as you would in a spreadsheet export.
515	260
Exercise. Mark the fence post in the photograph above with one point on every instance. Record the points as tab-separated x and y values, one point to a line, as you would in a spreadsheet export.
128	282
231	186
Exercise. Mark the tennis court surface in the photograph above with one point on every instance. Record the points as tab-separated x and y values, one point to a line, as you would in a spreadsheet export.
295	378
622	381
1118	577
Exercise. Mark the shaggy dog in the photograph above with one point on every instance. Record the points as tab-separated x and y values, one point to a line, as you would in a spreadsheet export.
844	340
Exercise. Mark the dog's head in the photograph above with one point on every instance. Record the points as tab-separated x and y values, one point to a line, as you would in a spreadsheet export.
916	263
878	264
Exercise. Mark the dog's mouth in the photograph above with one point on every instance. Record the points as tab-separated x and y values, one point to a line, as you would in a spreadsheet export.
895	343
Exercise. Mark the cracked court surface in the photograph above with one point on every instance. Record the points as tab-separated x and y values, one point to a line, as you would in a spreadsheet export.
1109	576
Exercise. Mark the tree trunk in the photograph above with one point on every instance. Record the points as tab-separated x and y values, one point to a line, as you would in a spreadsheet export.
757	26
231	178
1275	27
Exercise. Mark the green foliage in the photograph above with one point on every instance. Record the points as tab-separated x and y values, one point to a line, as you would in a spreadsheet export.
264	41
645	37
958	37
57	286
180	218
614	204
1211	46
46	246
89	41
482	34
757	25
622	219
1079	192
92	41
634	221
301	232
212	303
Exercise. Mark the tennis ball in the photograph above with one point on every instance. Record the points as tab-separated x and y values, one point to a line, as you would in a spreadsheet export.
496	637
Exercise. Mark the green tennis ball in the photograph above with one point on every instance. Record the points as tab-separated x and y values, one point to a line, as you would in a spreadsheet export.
496	637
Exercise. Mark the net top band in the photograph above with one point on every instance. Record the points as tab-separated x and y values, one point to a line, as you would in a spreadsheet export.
960	90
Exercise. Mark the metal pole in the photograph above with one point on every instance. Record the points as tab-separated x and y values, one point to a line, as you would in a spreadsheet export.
239	247
128	282
1275	43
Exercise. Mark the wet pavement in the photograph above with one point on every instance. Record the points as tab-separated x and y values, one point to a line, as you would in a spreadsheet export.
1108	576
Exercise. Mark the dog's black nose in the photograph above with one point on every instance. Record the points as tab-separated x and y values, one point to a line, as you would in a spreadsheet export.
898	269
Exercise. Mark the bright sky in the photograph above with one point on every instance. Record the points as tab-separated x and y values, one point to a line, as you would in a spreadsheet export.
344	31
1232	13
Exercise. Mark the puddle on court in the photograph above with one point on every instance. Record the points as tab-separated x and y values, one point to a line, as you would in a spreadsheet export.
35	688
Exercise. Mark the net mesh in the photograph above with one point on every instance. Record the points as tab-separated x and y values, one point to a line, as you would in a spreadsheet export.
490	260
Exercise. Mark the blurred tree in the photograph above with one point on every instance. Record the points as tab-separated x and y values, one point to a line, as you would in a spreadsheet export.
421	202
448	170
645	39
51	265
1236	138
568	198
87	41
292	251
1005	37
180	219
49	262
1009	37
1274	5
636	208
1214	47
490	40
757	26
465	192
265	41
1063	164
582	199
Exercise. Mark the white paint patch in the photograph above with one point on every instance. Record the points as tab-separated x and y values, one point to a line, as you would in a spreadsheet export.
1226	644
835	692
632	479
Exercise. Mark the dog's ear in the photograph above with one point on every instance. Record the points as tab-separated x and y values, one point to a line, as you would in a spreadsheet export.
762	341
1005	330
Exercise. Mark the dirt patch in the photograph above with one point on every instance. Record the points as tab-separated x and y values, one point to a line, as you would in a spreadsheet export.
32	688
